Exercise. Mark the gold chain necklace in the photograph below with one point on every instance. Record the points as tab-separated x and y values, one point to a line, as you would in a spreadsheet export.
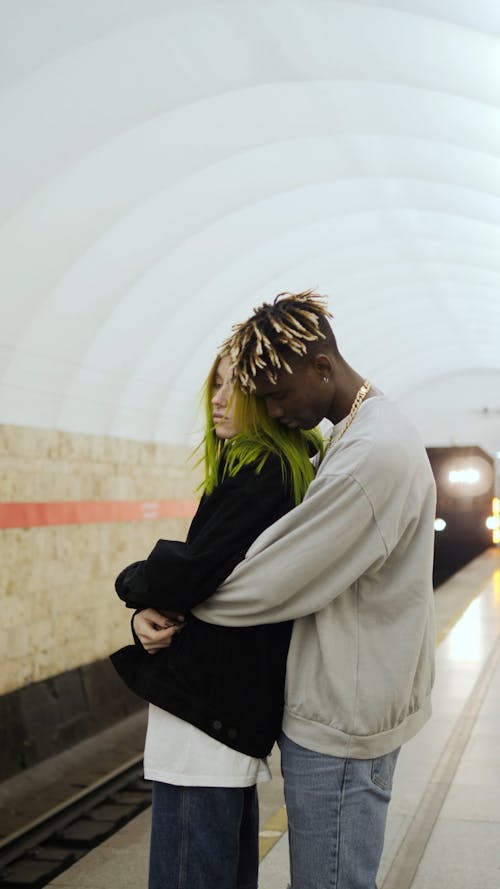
360	397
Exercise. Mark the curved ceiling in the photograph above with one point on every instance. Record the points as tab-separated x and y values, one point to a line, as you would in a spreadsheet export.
168	164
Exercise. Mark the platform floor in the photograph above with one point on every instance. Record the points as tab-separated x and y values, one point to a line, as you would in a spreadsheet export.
443	827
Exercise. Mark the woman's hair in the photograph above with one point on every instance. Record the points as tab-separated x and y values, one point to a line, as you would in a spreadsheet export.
293	325
260	437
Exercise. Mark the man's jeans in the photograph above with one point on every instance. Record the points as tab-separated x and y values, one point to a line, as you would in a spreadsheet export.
204	837
337	810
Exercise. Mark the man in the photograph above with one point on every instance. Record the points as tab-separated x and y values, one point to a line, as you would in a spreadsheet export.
352	565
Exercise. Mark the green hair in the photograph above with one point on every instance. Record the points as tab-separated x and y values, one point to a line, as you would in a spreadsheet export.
260	437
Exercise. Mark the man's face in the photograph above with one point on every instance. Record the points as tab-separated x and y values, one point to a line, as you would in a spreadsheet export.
298	399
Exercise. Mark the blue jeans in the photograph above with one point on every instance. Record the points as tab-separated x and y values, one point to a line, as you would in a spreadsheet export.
337	810
204	837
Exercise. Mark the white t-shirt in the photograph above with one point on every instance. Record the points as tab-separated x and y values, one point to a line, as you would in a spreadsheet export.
177	752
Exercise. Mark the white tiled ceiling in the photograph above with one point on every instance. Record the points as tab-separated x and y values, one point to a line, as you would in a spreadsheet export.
167	165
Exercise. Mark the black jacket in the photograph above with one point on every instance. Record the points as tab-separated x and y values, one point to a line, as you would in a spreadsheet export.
227	681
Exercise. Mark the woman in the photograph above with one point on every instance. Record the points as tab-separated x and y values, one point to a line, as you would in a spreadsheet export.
216	693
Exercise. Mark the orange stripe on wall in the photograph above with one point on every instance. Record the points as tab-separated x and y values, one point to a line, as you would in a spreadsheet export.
83	512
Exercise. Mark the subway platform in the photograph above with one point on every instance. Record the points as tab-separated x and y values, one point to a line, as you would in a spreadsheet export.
443	827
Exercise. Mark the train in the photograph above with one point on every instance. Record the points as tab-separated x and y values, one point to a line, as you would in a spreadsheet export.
466	523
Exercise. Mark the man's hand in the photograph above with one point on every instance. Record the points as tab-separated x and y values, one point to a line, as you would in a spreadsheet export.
155	630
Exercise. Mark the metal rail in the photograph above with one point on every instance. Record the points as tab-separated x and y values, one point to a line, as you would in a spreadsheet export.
49	825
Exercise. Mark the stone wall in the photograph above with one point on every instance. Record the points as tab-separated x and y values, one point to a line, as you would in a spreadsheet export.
57	602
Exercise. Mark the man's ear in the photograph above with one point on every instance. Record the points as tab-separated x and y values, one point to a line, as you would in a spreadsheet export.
323	365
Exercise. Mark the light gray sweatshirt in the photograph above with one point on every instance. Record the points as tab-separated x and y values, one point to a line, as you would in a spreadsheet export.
352	564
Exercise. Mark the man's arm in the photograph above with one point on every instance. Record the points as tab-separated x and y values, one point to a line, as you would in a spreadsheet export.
303	561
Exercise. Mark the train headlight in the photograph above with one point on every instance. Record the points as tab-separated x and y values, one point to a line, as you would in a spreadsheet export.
467	476
439	524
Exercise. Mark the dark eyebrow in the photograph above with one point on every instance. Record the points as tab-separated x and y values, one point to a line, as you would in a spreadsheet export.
269	393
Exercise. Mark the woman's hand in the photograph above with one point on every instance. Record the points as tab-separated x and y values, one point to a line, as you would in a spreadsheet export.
155	630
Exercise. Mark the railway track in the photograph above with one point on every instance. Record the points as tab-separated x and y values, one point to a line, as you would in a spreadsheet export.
34	855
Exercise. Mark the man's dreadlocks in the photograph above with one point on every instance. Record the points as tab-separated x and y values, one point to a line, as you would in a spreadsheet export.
259	344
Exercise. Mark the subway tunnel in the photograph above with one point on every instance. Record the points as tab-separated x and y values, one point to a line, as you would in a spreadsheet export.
168	165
